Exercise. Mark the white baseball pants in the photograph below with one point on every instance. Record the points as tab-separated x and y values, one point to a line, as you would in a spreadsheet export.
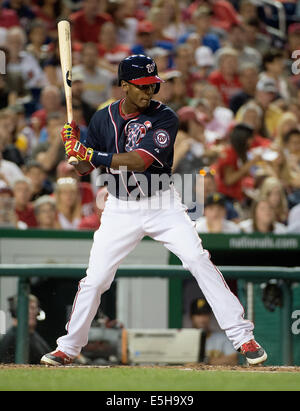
123	225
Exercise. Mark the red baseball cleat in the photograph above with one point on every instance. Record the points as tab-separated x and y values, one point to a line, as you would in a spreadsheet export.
253	352
56	358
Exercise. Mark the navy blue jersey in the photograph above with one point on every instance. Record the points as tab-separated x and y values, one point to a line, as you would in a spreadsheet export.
153	132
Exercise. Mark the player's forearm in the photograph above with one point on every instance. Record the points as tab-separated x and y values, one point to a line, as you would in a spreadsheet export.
132	161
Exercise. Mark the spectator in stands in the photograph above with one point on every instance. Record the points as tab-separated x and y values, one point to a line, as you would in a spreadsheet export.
273	190
294	220
51	102
93	221
159	20
218	349
173	26
167	91
288	121
273	68
8	18
20	61
14	144
248	10
110	51
253	37
50	151
23	207
51	65
183	62
205	186
190	141
46	213
222	116
77	98
48	11
37	345
294	107
265	94
224	14
291	142
233	165
262	219
226	77
7	209
146	39
161	58
201	19
214	219
9	171
97	81
248	75
218	120
37	38
123	15
68	203
7	96
204	60
23	11
14	82
40	186
237	40
252	115
87	21
116	94
289	168
64	170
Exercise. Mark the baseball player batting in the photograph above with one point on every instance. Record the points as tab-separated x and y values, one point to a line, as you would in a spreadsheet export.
137	134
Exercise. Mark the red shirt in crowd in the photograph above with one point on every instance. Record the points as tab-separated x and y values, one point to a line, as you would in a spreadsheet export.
228	159
259	141
224	14
27	216
84	31
87	198
41	116
90	222
8	18
226	88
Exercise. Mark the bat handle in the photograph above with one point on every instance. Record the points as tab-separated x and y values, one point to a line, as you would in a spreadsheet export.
72	160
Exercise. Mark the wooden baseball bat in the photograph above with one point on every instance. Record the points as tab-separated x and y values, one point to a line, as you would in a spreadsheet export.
65	53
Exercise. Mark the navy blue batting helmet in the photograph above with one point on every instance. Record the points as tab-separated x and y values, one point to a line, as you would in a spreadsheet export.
139	70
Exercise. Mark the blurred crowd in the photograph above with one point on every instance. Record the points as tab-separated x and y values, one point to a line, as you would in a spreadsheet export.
230	74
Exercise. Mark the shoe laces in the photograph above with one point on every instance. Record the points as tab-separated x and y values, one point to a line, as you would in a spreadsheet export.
250	346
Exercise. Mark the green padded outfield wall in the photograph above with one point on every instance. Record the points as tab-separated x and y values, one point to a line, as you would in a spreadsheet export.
259	250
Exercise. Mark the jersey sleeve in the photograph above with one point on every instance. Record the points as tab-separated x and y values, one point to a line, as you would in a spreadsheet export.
159	140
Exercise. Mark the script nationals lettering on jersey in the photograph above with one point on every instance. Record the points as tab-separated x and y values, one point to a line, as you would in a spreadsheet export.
135	132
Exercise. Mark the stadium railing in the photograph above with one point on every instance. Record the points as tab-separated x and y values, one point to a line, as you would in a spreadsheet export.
24	272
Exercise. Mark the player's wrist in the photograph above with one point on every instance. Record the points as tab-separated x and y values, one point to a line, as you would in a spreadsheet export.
99	159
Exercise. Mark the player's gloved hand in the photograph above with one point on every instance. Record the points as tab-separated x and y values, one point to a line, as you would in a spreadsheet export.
74	148
70	130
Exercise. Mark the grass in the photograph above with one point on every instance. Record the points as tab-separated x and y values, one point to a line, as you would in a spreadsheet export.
144	379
